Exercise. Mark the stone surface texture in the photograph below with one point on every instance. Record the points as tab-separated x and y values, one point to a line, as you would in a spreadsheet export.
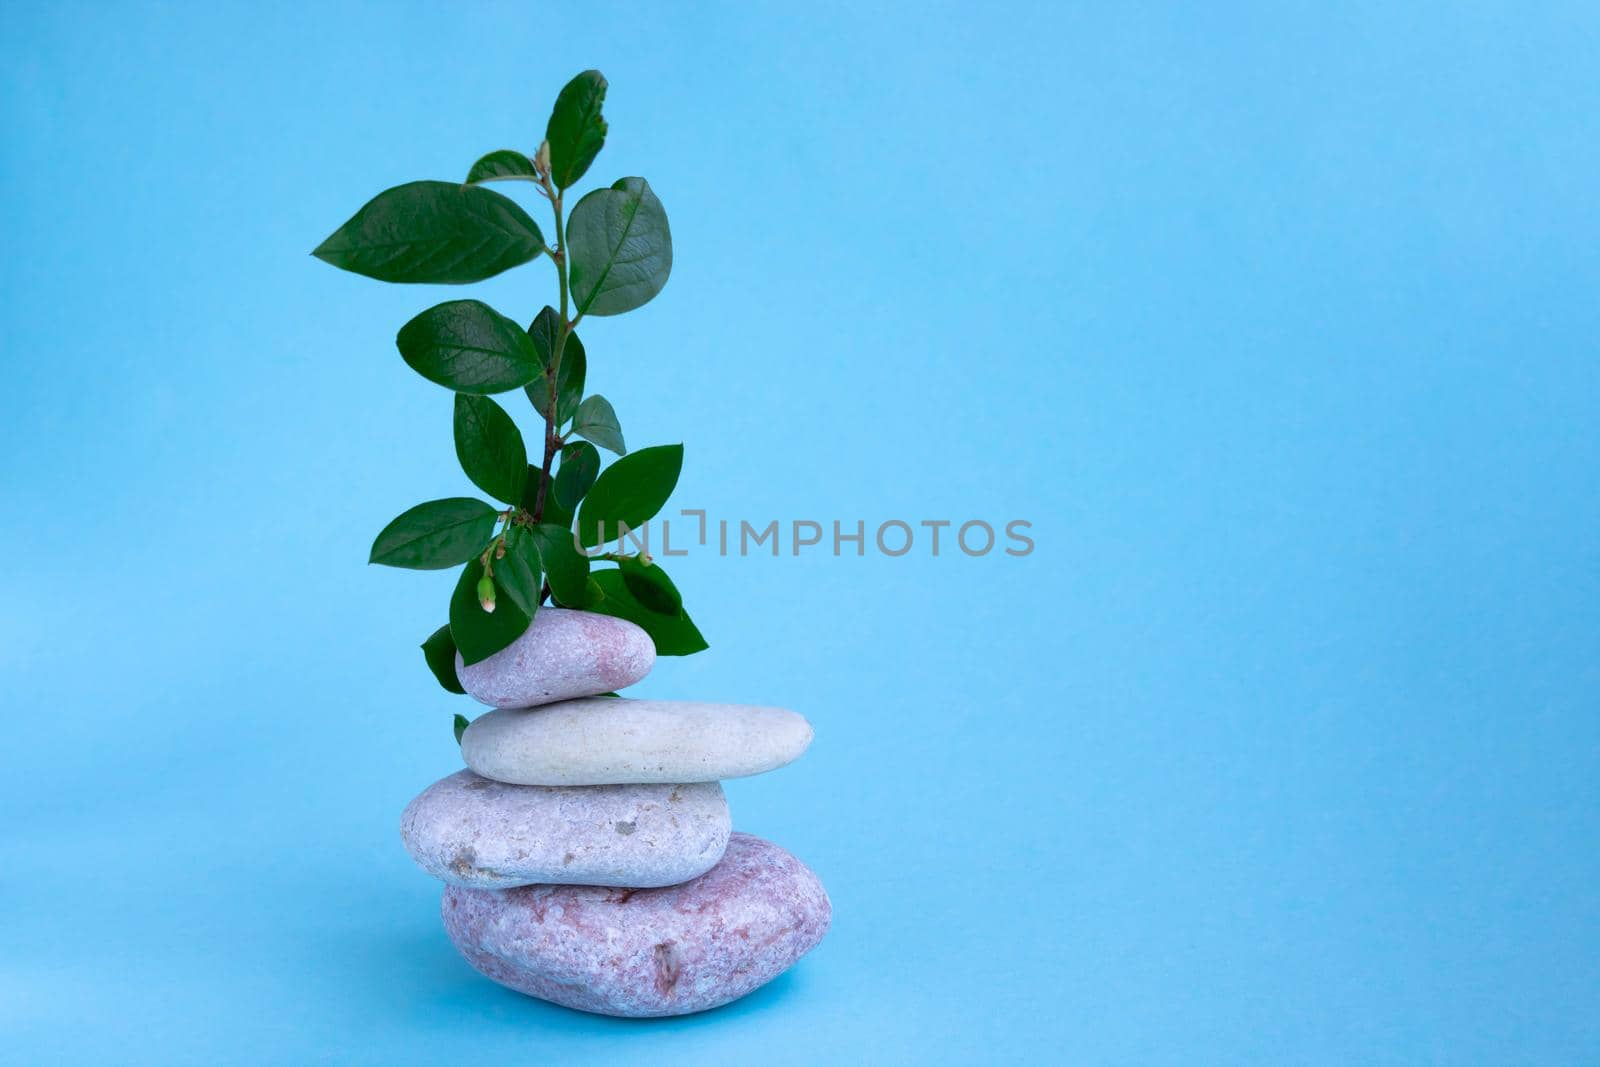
564	654
647	952
470	831
609	740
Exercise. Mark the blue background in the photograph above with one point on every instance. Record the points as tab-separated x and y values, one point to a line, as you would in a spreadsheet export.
1278	322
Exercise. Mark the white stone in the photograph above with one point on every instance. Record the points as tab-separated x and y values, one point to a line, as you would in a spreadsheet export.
470	831
611	740
564	654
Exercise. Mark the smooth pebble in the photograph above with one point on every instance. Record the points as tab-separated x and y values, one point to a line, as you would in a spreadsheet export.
647	952
564	654
470	831
611	740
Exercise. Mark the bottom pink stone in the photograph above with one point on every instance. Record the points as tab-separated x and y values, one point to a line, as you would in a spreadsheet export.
647	952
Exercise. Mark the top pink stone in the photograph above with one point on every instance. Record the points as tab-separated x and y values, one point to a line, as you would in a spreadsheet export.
564	654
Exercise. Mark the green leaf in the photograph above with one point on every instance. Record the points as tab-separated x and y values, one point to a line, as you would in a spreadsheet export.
569	379
468	346
631	490
674	635
440	652
505	164
580	465
490	447
435	535
574	362
555	512
461	724
650	585
565	567
479	634
596	420
542	332
434	232
576	130
518	571
619	247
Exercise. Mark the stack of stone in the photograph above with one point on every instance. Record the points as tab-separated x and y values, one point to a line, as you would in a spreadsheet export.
587	851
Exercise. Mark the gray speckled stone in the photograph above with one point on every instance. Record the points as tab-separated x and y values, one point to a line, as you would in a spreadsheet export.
469	831
647	952
564	654
606	740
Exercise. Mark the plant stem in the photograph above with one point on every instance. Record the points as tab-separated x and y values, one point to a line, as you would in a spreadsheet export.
552	443
552	439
